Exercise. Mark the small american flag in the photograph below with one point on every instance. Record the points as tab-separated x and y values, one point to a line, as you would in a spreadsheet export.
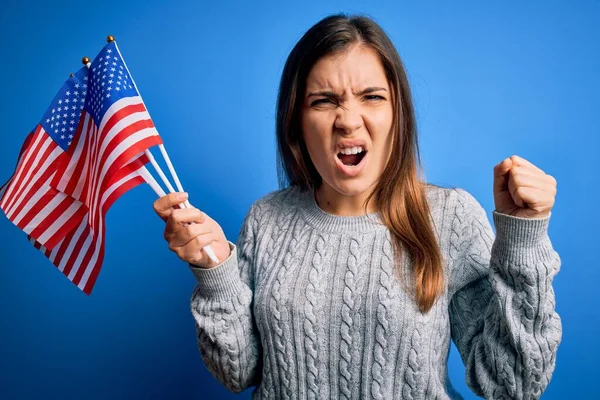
27	198
104	161
86	153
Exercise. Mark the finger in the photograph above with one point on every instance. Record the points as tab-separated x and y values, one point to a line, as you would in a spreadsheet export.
164	205
192	252
521	162
542	178
533	181
501	175
179	217
533	198
188	233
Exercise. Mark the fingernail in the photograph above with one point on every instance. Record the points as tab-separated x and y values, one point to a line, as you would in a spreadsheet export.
182	196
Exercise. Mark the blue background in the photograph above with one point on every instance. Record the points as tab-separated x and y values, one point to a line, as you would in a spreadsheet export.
488	82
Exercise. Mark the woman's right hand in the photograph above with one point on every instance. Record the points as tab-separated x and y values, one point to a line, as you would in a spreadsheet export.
188	230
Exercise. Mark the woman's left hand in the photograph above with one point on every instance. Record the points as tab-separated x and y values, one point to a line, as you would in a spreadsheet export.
523	190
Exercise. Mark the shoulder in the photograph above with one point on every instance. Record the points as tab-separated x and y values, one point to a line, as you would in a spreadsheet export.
277	199
454	201
282	201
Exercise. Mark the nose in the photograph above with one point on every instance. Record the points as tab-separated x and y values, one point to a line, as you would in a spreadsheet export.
348	119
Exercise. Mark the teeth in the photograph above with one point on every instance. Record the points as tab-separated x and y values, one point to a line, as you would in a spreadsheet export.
352	150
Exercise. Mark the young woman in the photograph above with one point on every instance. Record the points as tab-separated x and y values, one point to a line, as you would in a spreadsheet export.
351	281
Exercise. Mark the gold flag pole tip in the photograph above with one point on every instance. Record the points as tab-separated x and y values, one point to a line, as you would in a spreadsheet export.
110	38
71	75
85	60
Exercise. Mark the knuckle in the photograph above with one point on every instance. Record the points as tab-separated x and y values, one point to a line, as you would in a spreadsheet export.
189	231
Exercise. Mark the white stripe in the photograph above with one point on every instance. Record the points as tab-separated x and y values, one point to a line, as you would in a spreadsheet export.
69	250
3	190
19	202
109	136
27	206
117	151
96	254
18	182
43	213
54	252
79	257
75	158
60	221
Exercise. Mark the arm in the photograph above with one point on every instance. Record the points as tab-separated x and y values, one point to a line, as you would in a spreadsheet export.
222	308
502	309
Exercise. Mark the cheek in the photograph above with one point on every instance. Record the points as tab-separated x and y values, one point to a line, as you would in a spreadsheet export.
316	136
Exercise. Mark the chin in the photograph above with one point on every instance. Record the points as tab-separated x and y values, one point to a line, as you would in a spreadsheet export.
352	187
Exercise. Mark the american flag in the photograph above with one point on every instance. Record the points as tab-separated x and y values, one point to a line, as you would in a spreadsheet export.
95	163
105	160
27	198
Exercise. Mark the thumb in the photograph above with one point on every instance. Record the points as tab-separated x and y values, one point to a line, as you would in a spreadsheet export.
501	175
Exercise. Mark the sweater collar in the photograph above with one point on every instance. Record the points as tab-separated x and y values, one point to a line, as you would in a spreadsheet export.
324	221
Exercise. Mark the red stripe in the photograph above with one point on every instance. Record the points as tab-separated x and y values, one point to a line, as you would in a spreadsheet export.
46	167
24	168
64	244
115	118
29	167
67	227
135	181
35	210
77	171
120	160
76	250
120	174
24	147
52	216
129	153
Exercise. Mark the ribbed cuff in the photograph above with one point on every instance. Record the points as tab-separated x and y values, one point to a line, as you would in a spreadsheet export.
222	281
518	237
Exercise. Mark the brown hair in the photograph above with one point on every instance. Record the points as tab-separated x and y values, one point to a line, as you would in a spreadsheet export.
399	193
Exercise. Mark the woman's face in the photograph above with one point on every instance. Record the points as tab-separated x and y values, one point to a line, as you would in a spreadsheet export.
348	107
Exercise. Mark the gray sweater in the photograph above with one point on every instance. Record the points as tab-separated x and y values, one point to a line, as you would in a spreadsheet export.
309	305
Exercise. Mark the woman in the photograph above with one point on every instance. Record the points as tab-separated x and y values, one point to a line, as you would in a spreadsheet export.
351	282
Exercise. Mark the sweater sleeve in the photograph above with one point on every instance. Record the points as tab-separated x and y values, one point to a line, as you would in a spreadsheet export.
221	304
502	307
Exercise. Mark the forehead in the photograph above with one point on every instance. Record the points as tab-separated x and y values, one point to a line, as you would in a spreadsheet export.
357	67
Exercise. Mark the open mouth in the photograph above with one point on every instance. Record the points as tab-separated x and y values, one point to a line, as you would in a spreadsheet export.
351	160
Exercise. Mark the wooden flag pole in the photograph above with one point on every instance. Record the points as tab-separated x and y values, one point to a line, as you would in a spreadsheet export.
207	249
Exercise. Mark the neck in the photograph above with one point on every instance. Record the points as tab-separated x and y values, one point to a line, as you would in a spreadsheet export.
333	202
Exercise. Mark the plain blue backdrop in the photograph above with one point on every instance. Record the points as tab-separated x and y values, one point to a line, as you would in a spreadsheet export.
488	82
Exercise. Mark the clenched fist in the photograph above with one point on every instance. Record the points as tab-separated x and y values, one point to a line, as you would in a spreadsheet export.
523	190
188	230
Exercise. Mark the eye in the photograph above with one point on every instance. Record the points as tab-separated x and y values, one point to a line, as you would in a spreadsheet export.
374	97
325	100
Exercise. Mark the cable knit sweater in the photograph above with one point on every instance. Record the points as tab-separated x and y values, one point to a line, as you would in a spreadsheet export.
310	305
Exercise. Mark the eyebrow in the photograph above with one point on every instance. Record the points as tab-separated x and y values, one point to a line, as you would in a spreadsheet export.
329	93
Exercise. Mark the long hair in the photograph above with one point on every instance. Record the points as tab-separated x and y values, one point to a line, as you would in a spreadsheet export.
400	193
